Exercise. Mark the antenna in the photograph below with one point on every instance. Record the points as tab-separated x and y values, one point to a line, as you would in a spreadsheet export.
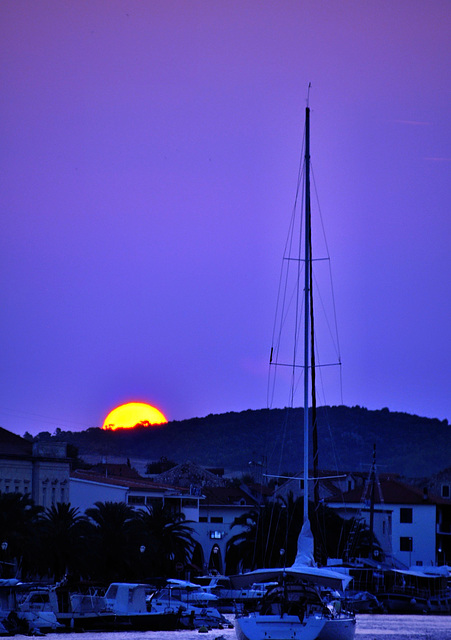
308	93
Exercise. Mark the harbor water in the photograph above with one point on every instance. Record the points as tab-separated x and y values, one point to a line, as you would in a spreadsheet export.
369	627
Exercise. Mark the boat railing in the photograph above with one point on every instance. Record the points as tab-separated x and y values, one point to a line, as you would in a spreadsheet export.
87	602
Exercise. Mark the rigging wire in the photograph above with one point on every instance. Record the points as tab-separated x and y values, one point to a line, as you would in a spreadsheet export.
332	289
282	308
287	296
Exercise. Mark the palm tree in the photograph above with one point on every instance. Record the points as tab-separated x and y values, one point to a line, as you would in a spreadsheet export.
241	547
62	530
18	517
110	550
260	542
165	540
276	526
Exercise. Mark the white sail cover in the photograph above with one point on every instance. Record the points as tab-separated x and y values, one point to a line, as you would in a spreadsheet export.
304	555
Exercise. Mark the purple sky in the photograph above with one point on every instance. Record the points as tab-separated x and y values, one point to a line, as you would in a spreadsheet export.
149	153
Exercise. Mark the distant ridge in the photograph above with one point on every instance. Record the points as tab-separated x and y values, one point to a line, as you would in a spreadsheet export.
406	444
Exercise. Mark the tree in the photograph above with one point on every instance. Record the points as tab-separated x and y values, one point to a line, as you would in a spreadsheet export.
62	532
18	517
110	549
259	544
165	539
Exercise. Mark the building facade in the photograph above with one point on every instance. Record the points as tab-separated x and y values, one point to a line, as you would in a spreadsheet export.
40	470
409	523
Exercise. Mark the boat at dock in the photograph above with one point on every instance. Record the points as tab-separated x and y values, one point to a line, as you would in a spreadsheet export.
417	590
229	598
20	614
127	603
41	609
180	596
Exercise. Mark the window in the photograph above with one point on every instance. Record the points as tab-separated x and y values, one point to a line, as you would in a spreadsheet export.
405	543
216	535
445	491
405	515
154	502
53	495
419	563
189	502
217	519
136	500
112	591
203	519
172	505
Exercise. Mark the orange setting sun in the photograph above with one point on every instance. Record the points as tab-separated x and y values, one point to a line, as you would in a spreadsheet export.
128	415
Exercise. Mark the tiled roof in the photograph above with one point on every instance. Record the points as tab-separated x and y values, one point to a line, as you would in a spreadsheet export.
330	487
189	473
393	492
11	444
112	469
260	489
137	484
226	496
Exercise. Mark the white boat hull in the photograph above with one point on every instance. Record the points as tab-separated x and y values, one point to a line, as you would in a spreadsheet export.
275	627
43	621
342	628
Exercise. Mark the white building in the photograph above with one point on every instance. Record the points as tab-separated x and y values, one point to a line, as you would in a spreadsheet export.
409	523
89	487
219	507
218	510
211	510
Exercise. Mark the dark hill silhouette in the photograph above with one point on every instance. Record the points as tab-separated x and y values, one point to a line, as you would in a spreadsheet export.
406	444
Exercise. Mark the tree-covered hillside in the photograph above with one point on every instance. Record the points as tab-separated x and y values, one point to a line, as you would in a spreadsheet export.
406	444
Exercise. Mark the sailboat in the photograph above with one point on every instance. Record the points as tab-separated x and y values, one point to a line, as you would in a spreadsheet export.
295	608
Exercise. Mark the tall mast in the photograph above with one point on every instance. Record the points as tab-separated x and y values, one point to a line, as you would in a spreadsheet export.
306	309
